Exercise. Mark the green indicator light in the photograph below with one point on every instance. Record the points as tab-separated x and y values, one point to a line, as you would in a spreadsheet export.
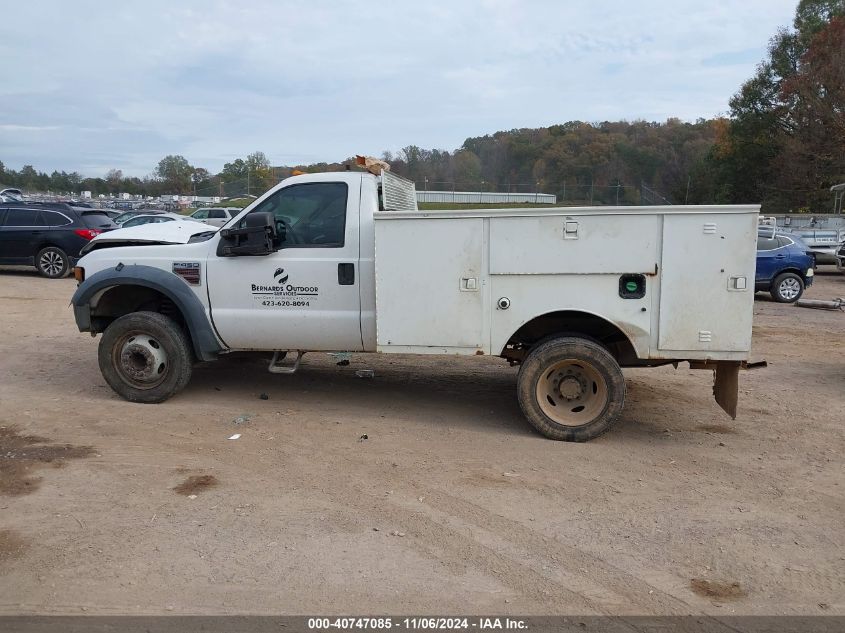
631	286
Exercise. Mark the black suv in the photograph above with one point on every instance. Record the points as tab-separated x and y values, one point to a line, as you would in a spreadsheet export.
47	235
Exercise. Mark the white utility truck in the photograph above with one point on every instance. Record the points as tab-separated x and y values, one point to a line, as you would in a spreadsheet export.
346	262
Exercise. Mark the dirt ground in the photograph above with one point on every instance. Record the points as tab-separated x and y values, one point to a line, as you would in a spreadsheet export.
450	505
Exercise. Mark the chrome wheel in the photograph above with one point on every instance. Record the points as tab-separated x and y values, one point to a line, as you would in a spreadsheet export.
572	392
141	360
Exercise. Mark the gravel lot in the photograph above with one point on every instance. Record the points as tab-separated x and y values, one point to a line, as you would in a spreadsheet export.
450	505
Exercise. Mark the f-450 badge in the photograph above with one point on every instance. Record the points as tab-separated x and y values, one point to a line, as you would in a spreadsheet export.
189	271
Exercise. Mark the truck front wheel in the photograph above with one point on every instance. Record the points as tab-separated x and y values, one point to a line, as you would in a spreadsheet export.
571	389
145	357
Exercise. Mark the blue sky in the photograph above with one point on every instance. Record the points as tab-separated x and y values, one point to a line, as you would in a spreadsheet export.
89	86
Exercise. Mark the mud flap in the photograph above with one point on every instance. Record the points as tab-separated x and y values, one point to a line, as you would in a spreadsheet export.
726	386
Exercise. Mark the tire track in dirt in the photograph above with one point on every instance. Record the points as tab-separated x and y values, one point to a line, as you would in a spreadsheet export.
442	529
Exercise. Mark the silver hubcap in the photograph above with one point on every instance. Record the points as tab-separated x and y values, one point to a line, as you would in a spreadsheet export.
143	360
789	288
51	263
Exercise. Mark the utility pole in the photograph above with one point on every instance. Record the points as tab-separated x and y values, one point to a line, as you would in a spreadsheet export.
689	180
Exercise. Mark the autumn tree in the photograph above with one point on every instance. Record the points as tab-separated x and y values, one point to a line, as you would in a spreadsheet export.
812	143
765	135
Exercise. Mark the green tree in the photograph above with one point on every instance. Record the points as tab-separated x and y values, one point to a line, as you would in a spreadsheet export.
259	173
234	171
467	169
175	171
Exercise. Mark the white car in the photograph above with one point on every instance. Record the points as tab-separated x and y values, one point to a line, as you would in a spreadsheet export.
177	232
157	218
215	216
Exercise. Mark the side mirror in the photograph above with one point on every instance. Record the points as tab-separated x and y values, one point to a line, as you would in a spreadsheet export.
256	236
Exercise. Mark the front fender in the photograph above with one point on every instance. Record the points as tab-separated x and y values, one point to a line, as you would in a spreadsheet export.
206	344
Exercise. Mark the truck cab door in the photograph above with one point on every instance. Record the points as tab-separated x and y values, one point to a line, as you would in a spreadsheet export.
304	296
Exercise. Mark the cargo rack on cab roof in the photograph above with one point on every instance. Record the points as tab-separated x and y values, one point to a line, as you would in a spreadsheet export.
394	192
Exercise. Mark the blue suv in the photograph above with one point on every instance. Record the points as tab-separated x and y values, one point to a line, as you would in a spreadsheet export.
784	267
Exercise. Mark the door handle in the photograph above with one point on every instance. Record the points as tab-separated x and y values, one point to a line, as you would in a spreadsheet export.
346	274
780	256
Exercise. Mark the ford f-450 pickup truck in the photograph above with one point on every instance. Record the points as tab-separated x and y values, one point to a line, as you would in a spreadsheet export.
346	262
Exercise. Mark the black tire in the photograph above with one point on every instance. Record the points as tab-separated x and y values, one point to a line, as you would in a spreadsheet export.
52	262
145	357
571	389
787	288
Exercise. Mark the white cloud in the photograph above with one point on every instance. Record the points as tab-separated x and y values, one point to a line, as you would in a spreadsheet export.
123	86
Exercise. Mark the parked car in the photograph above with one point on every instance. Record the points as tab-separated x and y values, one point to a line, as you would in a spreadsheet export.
123	217
157	218
215	216
151	234
48	236
11	195
784	267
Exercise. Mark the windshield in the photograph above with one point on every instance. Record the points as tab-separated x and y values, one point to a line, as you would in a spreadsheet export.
120	219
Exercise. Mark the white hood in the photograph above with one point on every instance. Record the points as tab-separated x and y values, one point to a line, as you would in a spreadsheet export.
176	232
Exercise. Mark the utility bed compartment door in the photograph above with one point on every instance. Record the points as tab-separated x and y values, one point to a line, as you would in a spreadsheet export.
429	283
574	244
707	282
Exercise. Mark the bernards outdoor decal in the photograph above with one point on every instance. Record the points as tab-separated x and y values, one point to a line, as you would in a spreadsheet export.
283	293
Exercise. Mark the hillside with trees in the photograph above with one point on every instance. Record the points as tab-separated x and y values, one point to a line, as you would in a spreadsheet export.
783	145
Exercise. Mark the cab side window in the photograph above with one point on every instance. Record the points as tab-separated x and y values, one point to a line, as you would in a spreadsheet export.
202	214
309	215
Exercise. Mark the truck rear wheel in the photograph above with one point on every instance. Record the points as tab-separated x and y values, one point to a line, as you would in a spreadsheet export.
145	357
571	389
